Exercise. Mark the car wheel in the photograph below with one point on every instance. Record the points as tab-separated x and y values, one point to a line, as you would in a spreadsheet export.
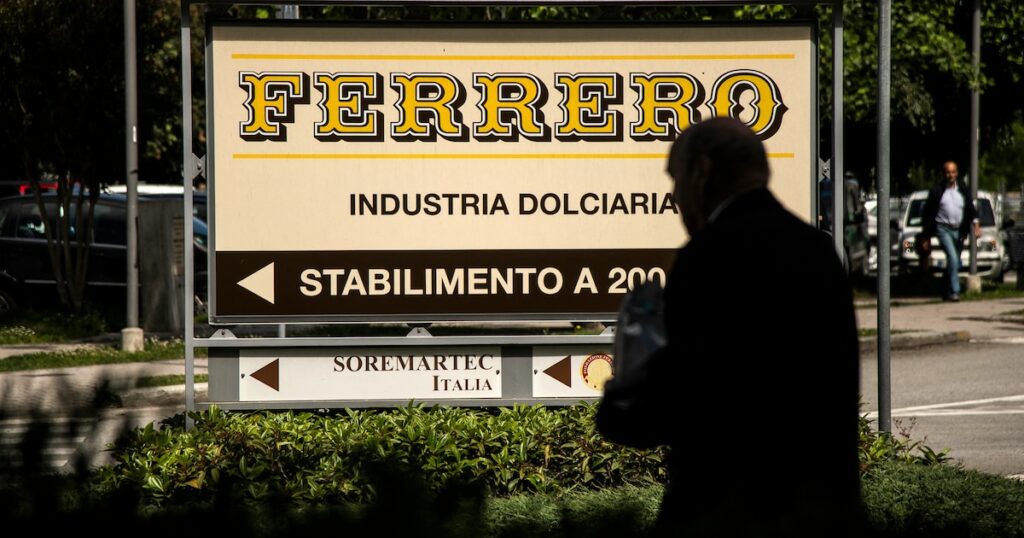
999	276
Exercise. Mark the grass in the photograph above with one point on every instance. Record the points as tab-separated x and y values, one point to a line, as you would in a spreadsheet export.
167	380
929	287
95	354
864	333
36	326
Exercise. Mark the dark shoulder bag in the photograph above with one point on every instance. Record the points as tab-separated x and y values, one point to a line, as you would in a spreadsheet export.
639	335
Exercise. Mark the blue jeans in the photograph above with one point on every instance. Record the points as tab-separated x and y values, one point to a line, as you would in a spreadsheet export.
949	238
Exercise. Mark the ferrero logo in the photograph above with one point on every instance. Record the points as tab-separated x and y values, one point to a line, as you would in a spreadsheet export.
596	370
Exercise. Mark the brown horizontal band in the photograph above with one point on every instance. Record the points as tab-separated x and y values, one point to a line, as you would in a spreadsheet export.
447	283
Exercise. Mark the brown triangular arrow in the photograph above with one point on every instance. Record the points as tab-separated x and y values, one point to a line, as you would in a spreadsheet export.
562	371
269	375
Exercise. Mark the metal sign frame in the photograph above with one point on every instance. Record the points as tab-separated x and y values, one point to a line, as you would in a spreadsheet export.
225	349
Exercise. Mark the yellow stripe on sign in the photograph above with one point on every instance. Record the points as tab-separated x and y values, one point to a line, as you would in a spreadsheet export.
513	57
467	156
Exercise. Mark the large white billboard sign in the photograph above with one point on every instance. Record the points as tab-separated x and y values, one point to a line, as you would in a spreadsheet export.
474	172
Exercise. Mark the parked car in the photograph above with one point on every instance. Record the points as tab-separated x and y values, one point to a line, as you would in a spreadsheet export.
26	276
895	211
993	260
855	221
157	190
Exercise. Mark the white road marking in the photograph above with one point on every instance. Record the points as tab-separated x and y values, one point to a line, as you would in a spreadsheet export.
948	409
1006	340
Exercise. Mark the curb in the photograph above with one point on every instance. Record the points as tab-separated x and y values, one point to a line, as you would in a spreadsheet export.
913	341
173	395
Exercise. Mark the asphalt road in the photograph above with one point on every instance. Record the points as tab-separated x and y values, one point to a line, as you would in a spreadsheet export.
966	397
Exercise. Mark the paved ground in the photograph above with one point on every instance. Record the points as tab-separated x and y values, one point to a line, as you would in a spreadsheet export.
989	321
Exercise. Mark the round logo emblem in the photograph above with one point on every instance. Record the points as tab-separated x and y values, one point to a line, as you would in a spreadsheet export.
596	370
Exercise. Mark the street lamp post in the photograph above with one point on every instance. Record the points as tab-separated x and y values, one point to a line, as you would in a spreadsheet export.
131	336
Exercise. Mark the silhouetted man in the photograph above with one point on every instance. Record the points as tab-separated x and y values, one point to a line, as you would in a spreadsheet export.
756	391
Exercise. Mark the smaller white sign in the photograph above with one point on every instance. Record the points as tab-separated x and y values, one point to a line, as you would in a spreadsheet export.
369	374
571	371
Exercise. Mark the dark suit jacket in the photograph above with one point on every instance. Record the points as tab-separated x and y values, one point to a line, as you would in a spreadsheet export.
757	390
931	209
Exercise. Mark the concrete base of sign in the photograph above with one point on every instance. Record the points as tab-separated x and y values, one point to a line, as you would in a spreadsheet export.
974	283
132	339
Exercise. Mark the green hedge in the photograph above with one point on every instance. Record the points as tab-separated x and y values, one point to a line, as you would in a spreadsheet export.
900	500
525	471
942	500
313	458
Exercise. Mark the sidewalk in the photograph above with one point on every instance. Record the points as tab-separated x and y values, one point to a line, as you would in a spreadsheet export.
936	322
58	391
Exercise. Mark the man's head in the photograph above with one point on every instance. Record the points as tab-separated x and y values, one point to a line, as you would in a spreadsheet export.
712	162
951	172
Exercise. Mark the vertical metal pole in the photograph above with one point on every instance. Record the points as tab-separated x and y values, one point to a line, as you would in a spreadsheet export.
287	11
838	177
884	88
975	61
188	165
131	336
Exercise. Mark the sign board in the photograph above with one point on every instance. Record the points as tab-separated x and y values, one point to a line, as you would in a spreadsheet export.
570	371
430	173
400	373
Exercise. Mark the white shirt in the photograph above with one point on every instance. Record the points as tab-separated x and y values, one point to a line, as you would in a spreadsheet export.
951	208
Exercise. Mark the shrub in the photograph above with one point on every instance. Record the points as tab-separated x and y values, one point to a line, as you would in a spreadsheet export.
314	458
879	447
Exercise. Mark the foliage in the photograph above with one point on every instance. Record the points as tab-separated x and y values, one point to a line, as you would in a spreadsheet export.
314	459
1003	165
942	500
877	447
30	326
399	473
62	112
926	49
899	500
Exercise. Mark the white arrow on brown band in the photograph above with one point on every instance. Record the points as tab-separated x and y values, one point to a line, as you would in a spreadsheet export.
261	283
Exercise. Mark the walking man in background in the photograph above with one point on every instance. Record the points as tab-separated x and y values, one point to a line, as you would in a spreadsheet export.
759	321
949	214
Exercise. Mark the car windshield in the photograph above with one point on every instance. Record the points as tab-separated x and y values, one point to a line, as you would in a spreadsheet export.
985	215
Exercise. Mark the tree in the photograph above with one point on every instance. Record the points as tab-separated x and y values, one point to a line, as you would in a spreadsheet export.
61	111
932	78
